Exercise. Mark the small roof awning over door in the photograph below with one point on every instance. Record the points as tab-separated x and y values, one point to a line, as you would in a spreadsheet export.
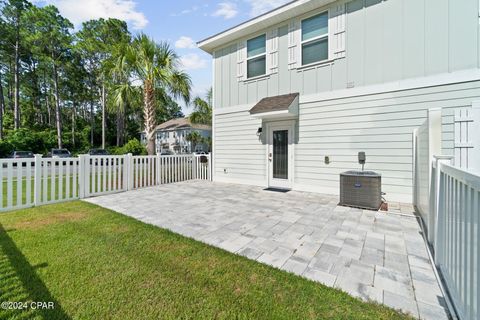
277	107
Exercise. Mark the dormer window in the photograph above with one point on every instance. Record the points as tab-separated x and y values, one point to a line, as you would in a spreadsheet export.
257	56
315	39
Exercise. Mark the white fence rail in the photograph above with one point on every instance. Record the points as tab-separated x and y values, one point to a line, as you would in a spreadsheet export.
447	199
456	207
29	182
422	170
105	174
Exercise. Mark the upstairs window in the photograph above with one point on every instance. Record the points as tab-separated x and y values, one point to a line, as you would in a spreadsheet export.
256	56
315	39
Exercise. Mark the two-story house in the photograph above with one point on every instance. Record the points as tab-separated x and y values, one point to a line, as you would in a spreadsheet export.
300	90
172	136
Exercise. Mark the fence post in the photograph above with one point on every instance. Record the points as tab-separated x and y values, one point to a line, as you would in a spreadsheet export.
81	176
194	167
209	167
130	169
87	163
434	136
414	170
125	172
37	180
157	169
437	208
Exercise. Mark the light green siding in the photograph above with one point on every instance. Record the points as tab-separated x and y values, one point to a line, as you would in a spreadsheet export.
380	124
436	49
385	41
448	131
239	154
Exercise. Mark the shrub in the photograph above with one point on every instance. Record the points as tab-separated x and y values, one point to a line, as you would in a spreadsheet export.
115	150
5	148
134	147
49	139
26	140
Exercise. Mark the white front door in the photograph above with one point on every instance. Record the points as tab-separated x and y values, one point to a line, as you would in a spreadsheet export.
280	154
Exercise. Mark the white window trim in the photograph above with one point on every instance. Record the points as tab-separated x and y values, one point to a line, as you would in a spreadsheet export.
256	78
256	56
314	65
320	37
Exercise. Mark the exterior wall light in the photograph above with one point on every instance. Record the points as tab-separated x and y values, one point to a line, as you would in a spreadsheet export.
259	131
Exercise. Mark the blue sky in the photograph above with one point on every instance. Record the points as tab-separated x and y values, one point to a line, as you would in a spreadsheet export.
181	23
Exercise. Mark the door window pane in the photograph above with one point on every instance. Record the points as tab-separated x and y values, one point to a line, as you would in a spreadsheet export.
315	51
315	26
280	154
256	46
256	67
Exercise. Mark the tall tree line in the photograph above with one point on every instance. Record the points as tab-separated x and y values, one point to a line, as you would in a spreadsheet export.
76	87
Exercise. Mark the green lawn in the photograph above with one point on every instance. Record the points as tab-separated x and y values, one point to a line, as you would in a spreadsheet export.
57	190
97	264
49	190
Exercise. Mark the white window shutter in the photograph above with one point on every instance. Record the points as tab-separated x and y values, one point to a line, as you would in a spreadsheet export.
241	60
272	51
294	44
337	27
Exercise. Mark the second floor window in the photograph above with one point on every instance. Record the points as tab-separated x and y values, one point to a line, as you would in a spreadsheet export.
256	57
315	39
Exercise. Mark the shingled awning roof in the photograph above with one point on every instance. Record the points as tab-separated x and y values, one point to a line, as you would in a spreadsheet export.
181	123
286	104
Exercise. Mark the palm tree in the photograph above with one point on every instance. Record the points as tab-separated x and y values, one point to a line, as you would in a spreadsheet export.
202	110
156	67
124	94
194	138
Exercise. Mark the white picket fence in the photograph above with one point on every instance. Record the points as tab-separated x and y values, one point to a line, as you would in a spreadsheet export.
32	182
447	195
455	208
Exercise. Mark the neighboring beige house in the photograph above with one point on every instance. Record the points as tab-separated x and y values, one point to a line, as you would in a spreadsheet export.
171	136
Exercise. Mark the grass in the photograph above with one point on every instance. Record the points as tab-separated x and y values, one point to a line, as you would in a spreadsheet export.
31	181
57	192
97	264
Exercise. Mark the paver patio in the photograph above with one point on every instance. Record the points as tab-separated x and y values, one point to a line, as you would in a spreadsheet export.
371	255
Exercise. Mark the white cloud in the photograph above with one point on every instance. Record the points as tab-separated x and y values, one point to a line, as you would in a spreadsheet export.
185	43
185	11
261	6
80	11
227	10
193	61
